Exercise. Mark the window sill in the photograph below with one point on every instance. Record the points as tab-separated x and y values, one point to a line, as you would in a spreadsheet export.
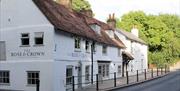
104	54
31	85
77	50
24	45
5	84
38	45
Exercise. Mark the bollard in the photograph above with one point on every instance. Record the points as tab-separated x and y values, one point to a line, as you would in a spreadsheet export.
114	79
37	84
137	76
157	72
73	85
165	70
152	73
145	74
97	82
127	77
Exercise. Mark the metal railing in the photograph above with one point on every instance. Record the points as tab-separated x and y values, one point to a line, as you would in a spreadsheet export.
102	82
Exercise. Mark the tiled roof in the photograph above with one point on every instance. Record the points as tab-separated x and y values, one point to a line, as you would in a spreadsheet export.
104	27
72	22
131	36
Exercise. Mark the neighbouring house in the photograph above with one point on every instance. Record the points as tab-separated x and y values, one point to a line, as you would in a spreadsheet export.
46	41
135	55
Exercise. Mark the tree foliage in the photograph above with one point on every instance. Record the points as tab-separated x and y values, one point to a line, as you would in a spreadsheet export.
161	32
80	4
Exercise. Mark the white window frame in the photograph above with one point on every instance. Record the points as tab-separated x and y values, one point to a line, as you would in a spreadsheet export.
4	77
38	35
69	76
30	79
87	73
22	38
77	43
103	69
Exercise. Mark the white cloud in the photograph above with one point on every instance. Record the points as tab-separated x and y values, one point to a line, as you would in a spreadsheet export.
102	8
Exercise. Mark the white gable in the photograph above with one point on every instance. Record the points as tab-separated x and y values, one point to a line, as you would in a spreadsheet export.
20	13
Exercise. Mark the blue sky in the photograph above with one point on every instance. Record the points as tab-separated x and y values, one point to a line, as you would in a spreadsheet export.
102	8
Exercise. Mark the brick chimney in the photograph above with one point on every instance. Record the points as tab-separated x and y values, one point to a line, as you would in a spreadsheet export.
66	3
88	13
111	21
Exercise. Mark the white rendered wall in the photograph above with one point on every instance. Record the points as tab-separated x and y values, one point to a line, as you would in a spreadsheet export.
138	51
18	75
22	16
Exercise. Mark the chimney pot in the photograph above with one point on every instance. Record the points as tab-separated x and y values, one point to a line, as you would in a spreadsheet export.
112	21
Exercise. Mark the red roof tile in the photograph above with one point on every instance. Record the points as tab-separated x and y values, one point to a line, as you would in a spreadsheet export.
73	22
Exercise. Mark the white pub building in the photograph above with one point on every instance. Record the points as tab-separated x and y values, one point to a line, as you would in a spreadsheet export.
46	41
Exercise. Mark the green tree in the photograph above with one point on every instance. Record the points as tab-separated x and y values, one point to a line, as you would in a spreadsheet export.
161	32
80	4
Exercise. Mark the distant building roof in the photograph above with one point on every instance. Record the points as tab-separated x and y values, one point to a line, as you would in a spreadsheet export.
72	22
131	36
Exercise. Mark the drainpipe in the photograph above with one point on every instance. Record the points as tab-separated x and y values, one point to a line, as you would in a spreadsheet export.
92	47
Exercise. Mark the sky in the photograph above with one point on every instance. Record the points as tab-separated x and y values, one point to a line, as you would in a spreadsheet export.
102	8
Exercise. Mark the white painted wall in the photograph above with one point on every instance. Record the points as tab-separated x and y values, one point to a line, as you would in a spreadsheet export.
22	16
66	54
18	74
139	52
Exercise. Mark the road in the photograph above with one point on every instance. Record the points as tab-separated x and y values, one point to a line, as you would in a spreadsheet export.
171	82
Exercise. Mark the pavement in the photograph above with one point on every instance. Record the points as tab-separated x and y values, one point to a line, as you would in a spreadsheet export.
108	85
170	82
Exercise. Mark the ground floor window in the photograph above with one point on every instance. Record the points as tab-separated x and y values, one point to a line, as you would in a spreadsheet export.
32	77
69	74
87	70
103	69
4	77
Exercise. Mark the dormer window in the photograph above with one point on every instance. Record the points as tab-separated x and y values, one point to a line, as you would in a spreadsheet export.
77	44
39	36
25	39
96	28
110	33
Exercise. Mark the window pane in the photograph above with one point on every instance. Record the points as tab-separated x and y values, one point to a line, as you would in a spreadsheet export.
25	35
1	74
1	80
38	41
4	76
32	77
29	81
37	75
25	41
33	81
39	34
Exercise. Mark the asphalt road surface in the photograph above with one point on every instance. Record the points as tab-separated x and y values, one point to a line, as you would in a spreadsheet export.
171	82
